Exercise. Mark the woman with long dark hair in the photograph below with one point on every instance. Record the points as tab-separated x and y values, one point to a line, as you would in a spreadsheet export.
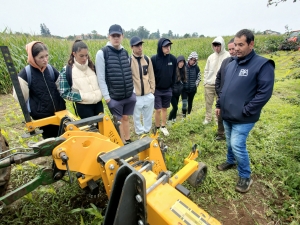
79	84
178	87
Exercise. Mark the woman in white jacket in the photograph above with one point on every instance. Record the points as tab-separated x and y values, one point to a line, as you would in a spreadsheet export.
78	82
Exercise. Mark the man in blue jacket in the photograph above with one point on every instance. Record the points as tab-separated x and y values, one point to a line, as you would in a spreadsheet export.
248	86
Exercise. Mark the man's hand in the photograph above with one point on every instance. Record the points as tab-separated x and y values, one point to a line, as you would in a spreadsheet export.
218	112
107	100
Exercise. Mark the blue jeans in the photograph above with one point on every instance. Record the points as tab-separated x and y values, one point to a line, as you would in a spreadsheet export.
236	137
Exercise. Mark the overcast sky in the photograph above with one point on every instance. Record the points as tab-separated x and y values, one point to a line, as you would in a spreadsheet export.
207	17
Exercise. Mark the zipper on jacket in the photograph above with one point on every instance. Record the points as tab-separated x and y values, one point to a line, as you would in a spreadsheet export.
189	79
49	93
141	75
122	74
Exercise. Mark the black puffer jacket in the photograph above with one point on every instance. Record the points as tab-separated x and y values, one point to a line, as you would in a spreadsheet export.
44	98
192	73
118	74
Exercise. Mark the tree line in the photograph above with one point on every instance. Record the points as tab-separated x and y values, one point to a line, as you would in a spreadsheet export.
141	32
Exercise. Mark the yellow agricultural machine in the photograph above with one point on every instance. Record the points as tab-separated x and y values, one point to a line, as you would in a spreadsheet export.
140	188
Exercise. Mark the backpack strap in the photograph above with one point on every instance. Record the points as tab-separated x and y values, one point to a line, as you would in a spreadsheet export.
104	50
105	53
69	75
147	59
28	73
130	59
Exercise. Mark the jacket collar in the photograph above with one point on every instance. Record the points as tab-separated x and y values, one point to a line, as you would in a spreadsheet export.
82	67
246	58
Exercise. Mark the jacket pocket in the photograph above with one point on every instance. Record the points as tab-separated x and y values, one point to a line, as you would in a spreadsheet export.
145	70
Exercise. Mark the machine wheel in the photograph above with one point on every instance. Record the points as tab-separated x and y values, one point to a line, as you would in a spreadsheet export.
198	176
4	172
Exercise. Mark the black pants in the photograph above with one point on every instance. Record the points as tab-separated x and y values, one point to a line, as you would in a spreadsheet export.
88	110
190	98
50	131
174	103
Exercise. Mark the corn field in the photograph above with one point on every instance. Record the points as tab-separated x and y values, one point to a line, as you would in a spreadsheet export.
59	50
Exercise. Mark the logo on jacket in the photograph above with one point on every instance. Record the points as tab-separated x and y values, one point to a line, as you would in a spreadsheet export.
170	63
243	72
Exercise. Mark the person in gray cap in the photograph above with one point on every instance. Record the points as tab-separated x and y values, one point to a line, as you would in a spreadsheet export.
164	65
115	80
212	66
144	87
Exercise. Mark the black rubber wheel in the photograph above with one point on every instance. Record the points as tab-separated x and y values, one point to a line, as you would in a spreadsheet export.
198	176
4	172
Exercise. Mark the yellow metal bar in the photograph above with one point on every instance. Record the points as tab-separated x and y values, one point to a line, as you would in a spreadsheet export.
191	156
54	120
183	174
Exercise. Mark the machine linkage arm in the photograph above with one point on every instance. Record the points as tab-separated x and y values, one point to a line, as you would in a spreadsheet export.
45	177
42	148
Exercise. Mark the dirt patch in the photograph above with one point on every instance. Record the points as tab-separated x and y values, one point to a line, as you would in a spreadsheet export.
250	208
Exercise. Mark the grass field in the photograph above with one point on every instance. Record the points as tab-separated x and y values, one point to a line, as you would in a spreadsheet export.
59	50
273	145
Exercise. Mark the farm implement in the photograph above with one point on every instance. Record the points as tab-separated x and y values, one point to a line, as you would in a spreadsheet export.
139	187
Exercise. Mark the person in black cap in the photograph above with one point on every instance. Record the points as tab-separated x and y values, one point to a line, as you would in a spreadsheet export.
144	87
115	80
164	65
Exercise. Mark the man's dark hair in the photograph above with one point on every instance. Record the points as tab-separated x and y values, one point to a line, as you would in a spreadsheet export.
231	41
247	33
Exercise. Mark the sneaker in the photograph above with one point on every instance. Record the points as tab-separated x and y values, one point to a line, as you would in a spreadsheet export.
243	185
220	138
225	166
173	120
165	131
205	122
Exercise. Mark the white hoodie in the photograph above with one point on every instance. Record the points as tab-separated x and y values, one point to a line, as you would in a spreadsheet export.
214	62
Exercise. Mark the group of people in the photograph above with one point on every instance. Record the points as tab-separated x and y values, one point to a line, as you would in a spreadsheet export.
135	85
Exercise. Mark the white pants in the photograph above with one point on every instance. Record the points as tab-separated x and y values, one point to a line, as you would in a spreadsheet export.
144	106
